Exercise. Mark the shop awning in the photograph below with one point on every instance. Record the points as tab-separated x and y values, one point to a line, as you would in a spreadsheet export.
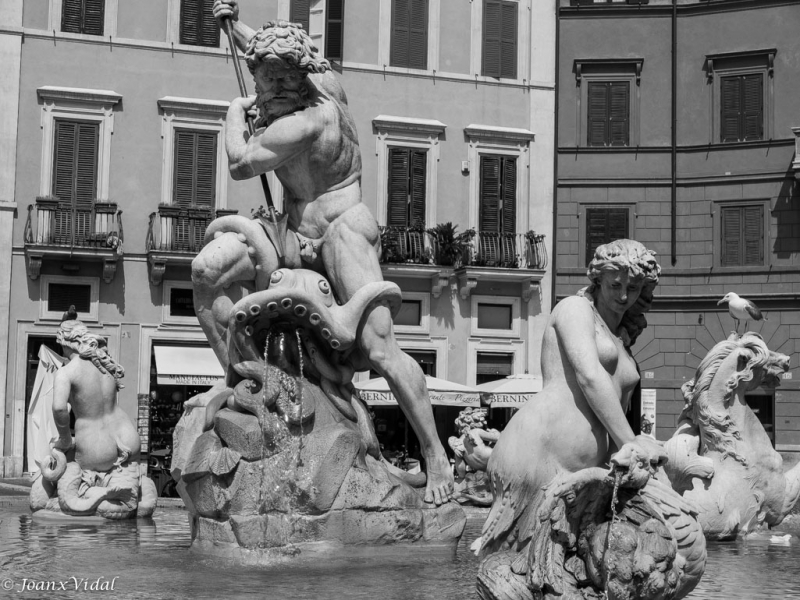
512	391
187	365
442	393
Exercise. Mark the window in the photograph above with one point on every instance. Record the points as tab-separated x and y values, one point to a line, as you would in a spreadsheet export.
742	105
742	229
193	186
407	174
197	24
492	366
609	113
495	316
742	95
414	314
83	16
178	303
59	292
409	45
334	30
763	406
408	153
604	224
300	12
499	39
498	197
74	179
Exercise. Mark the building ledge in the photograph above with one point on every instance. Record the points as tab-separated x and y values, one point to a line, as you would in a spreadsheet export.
796	161
468	278
438	276
37	253
159	260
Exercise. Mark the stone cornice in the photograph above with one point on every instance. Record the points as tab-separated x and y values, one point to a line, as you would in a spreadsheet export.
408	124
193	105
491	132
85	96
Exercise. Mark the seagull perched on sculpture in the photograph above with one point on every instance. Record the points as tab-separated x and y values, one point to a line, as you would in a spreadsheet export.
741	309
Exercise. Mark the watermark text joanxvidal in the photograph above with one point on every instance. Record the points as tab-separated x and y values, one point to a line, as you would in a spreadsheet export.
84	584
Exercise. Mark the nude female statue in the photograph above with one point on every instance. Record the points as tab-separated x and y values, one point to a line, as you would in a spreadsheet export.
578	419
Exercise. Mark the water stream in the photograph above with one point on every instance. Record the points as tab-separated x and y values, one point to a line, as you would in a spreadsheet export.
151	558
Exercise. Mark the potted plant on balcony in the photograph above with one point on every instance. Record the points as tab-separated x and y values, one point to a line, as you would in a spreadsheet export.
450	245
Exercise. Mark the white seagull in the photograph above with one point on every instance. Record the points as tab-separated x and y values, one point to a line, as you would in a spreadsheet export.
741	309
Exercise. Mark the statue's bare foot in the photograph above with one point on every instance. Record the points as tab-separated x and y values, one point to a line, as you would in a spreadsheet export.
440	480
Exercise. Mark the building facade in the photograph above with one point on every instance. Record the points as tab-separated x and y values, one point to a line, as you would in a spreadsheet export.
677	127
115	114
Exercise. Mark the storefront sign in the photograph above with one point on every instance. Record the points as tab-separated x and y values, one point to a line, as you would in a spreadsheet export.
509	400
649	412
437	398
188	379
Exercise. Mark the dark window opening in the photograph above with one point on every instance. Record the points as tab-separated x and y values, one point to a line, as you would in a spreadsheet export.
499	57
83	16
763	406
609	113
198	26
60	296
604	225
410	313
181	302
409	46
495	316
492	366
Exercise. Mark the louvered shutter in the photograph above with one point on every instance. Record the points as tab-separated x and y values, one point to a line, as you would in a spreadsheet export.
418	35
508	40
753	107
753	234
490	194
398	209
60	296
93	17
400	32
194	187
604	225
597	125
300	12
334	30
419	165
618	113
731	237
75	178
198	26
731	104
509	195
491	39
71	16
494	364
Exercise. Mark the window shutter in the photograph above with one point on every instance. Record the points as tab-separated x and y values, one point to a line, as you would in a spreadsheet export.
490	194
491	66
198	27
300	12
597	125
509	195
731	237
730	101
400	33
63	170
753	235
753	106
75	178
619	110
334	32
195	169
71	13
494	364
418	35
60	296
419	165
508	40
398	209
93	17
604	225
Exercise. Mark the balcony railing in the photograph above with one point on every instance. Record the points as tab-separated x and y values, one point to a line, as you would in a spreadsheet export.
470	248
176	229
505	250
61	224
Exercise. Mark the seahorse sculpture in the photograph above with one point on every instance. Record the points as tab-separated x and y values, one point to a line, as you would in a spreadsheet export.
720	457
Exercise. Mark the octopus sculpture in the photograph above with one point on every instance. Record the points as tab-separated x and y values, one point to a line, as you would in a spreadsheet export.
720	457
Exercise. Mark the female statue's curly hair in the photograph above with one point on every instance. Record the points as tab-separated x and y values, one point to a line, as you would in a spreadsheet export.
74	334
640	263
283	45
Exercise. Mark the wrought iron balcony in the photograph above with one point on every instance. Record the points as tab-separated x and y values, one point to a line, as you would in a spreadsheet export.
56	229
175	236
504	250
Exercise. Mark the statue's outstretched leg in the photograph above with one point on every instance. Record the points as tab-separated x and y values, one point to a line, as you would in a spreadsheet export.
351	261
